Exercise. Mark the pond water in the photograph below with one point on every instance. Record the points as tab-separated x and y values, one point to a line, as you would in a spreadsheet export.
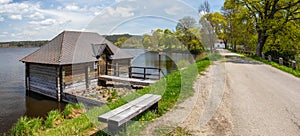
14	103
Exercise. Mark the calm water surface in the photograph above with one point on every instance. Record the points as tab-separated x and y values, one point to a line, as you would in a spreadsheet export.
13	101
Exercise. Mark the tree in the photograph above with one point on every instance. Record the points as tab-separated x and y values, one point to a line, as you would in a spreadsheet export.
205	7
218	24
186	23
121	41
270	17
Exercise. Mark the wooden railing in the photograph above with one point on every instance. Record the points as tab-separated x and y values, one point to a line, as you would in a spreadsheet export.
135	71
144	75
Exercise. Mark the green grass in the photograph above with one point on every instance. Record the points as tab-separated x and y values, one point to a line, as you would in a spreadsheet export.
276	65
51	118
174	88
26	126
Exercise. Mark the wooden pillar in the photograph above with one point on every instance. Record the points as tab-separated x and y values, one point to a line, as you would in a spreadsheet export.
117	69
27	81
130	72
87	77
145	73
58	83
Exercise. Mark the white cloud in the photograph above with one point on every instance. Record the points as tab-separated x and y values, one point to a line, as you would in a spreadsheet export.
174	10
36	16
120	11
16	17
72	7
18	8
5	1
46	22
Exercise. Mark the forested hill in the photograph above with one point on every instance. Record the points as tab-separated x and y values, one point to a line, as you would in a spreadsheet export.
30	44
115	38
23	44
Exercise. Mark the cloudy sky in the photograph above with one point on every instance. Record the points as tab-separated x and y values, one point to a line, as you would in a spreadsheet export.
43	20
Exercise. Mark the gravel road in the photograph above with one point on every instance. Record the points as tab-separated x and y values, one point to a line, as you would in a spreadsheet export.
265	100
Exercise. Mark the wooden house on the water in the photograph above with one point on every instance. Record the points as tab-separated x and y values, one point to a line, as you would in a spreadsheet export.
71	61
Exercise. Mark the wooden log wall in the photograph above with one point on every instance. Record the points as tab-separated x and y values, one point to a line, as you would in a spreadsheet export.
43	79
79	76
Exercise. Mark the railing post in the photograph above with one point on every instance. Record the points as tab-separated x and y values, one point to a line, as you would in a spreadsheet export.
270	58
280	61
294	65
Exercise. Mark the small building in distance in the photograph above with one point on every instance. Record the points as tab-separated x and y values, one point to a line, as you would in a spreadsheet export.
71	61
219	45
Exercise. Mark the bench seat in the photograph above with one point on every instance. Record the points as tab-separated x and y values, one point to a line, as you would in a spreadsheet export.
118	117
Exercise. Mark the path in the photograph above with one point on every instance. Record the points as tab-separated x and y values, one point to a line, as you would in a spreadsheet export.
238	96
265	100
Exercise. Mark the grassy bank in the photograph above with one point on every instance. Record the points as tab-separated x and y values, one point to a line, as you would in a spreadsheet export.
174	88
275	65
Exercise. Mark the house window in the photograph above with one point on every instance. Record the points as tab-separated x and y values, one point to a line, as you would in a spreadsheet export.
96	65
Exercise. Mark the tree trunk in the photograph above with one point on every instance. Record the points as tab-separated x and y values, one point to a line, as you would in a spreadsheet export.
225	43
262	38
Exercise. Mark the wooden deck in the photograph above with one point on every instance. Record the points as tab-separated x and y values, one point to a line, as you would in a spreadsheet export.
126	79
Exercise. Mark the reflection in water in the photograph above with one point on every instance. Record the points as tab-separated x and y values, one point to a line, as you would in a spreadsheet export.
35	105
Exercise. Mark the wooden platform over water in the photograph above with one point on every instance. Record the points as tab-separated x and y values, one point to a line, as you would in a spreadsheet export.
134	81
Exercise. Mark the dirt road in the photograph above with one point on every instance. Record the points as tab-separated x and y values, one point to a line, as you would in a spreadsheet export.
265	100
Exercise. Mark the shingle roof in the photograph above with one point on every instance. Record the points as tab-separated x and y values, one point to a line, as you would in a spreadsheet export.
71	47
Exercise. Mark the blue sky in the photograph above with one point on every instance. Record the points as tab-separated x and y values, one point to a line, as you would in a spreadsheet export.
43	20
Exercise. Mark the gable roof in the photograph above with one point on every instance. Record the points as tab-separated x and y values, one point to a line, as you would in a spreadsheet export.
70	47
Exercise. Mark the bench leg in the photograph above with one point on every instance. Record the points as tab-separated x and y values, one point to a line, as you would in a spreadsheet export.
114	128
101	82
154	107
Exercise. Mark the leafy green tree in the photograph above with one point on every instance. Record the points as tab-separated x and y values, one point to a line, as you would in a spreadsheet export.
268	16
121	41
186	23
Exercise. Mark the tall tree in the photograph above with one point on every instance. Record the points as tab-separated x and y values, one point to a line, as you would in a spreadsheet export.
270	17
205	7
219	25
186	23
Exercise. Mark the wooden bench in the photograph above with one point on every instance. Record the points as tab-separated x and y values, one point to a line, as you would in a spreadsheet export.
118	117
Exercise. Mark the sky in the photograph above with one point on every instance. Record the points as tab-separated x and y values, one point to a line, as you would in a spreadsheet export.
23	20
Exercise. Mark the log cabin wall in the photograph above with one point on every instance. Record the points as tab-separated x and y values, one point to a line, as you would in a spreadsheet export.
78	77
42	79
118	67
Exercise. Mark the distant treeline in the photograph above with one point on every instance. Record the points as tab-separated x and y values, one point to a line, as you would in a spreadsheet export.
23	44
115	38
31	44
